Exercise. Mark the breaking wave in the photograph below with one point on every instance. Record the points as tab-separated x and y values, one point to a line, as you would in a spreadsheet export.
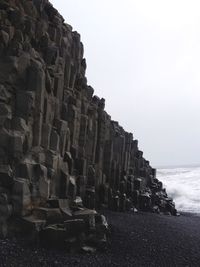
183	185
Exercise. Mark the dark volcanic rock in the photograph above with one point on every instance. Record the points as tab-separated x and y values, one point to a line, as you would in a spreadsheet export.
59	149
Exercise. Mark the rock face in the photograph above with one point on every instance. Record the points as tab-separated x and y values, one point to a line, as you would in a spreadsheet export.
59	149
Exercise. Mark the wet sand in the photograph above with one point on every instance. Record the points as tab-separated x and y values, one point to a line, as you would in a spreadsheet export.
142	239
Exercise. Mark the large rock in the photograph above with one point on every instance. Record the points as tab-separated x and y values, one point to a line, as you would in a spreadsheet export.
21	197
6	176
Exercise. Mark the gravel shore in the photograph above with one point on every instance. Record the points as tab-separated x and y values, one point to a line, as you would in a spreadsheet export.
142	239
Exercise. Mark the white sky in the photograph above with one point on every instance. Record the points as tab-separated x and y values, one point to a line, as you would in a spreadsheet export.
143	57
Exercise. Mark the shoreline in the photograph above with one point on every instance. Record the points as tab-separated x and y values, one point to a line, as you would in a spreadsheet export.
140	239
189	214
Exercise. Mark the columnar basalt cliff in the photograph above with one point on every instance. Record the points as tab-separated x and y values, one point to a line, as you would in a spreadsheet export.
59	149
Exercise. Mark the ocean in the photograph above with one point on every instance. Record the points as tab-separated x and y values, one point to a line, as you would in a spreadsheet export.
183	185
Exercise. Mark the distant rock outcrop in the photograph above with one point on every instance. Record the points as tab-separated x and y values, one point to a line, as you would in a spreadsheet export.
59	150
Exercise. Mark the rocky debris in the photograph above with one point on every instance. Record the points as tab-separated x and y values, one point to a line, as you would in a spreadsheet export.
61	155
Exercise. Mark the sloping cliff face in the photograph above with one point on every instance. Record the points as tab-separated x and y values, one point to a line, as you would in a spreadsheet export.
56	139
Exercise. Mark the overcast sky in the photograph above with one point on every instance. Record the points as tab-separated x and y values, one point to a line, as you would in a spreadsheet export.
143	57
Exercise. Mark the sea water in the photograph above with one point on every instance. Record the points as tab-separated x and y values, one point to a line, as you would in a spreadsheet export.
183	185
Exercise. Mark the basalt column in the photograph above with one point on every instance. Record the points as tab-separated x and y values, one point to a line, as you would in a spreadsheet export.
56	140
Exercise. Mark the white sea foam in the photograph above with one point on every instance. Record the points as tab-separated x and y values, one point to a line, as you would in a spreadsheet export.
183	185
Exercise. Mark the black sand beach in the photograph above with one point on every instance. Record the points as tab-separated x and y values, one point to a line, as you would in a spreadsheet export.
142	239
